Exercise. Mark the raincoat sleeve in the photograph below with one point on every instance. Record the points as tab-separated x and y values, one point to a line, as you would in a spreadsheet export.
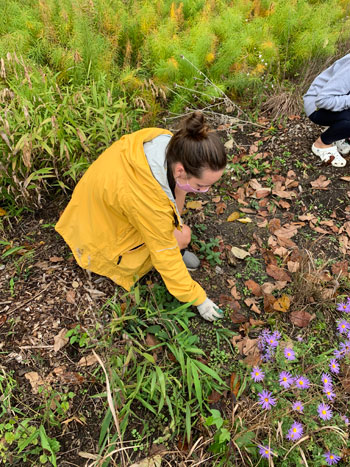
156	227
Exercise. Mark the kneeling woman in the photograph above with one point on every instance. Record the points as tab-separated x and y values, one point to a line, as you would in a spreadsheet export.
124	215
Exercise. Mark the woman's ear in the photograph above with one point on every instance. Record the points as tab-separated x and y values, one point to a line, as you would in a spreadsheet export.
178	170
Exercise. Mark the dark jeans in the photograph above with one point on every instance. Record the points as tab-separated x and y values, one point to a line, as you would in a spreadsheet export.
338	122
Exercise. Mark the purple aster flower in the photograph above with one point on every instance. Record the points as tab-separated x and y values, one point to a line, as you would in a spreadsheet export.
328	390
268	355
289	353
257	374
300	338
345	419
301	382
286	379
265	451
298	406
334	366
345	347
343	326
338	354
324	411
331	458
345	307
272	341
295	432
276	335
266	399
326	379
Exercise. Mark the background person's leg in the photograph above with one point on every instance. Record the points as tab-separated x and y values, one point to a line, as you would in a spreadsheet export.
338	123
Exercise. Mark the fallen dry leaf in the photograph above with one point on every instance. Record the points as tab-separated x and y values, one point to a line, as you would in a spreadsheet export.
35	381
300	318
282	304
277	273
347	179
2	212
87	361
216	199
274	225
237	317
60	340
251	302
244	220
214	397
287	231
293	266
239	253
70	296
269	300
197	205
233	217
340	268
56	259
253	287
321	183
234	384
220	208
155	461
262	193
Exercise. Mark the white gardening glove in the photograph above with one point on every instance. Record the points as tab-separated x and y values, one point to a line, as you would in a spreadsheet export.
209	311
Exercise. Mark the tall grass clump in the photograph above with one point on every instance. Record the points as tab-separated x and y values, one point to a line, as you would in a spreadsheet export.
51	133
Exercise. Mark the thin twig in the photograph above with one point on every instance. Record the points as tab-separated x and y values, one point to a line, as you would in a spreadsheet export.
296	444
111	406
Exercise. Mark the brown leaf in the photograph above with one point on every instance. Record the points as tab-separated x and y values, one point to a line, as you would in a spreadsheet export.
151	340
234	384
237	318
220	208
253	287
262	193
284	204
35	381
300	318
235	294
284	194
214	397
269	257
277	273
321	183
269	300
274	225
70	296
293	266
56	259
225	299
251	302
347	179
216	199
3	319
282	304
256	322
60	340
252	360
287	231
340	268
248	346
87	361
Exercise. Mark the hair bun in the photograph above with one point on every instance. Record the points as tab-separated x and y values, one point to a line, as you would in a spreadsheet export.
195	125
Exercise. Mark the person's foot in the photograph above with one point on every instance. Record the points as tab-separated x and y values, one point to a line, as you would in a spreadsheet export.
191	261
343	146
329	154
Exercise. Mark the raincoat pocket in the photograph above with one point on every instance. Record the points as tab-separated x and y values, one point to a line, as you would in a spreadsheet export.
135	263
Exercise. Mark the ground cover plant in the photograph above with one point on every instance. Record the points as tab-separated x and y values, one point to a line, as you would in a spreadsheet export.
93	376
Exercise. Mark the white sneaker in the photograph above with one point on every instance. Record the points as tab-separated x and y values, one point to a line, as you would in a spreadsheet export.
343	146
329	154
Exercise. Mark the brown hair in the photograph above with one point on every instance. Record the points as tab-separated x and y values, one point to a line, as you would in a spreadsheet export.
196	146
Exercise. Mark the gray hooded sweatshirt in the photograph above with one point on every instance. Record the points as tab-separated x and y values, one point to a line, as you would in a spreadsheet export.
330	89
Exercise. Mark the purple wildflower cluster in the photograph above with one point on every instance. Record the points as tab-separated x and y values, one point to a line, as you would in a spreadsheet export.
343	327
268	344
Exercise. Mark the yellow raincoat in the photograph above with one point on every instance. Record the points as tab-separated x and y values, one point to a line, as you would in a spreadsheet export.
119	222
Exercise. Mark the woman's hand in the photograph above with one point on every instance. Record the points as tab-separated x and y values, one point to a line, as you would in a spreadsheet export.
209	311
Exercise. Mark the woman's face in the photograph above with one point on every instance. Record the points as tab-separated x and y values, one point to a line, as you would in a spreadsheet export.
207	179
